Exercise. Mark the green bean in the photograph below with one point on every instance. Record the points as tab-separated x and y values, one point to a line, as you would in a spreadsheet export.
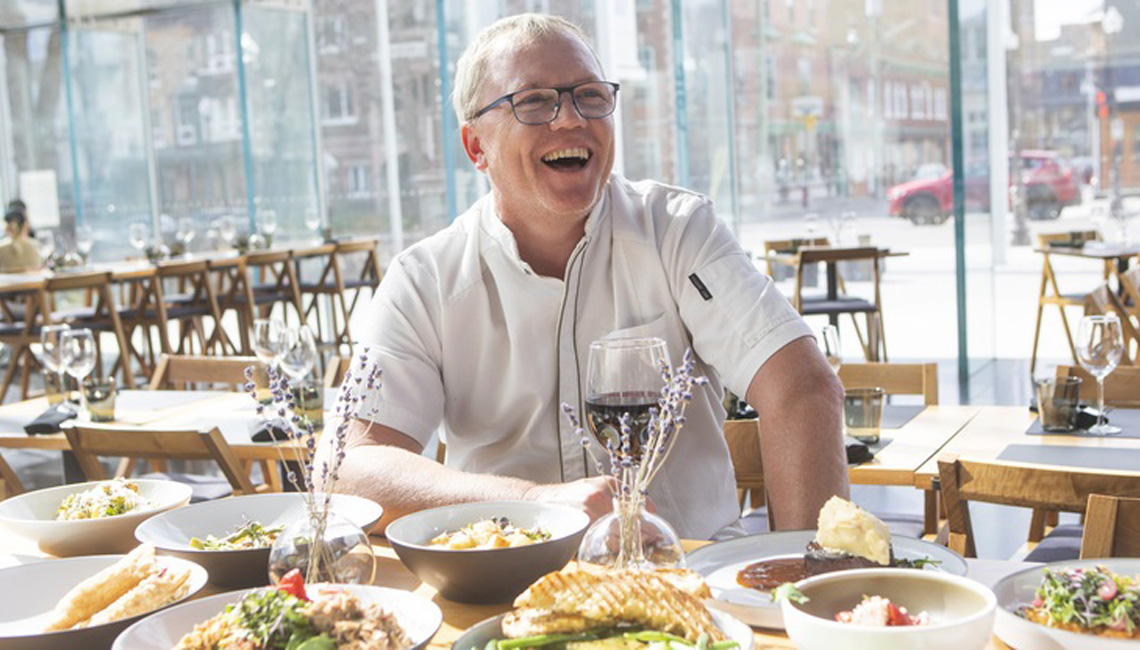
539	640
724	645
653	635
703	641
493	644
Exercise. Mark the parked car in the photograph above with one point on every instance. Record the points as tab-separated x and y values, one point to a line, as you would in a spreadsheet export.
1050	185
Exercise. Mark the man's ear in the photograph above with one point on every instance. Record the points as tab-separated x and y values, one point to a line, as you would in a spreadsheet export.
473	146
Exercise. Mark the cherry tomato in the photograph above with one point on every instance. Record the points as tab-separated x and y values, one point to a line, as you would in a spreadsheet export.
293	584
896	616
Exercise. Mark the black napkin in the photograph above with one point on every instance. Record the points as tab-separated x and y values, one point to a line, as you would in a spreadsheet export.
857	452
267	431
49	420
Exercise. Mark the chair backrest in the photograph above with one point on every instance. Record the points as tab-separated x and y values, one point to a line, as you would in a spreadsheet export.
743	439
183	372
10	484
366	253
89	441
1104	300
1071	238
1112	527
790	246
1121	388
1015	484
334	373
894	378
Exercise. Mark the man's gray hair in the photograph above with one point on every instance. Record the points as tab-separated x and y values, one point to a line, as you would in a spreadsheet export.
521	31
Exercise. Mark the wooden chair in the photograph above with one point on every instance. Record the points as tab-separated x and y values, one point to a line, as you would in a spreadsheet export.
743	439
100	317
88	441
1102	301
835	305
231	287
1050	293
22	312
1121	388
334	374
190	305
894	378
182	372
359	261
273	281
1112	527
1043	488
10	484
329	283
787	246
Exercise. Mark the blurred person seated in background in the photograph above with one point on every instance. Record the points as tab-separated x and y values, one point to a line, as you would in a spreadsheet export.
486	325
18	253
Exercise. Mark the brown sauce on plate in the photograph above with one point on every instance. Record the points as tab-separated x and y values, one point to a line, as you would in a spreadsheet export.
766	575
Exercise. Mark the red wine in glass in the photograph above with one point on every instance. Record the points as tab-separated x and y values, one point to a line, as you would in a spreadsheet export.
604	413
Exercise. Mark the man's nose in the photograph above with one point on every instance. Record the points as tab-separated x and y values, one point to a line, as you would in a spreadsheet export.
568	115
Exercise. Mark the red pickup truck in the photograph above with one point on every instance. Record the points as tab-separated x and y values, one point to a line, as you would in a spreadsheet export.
929	199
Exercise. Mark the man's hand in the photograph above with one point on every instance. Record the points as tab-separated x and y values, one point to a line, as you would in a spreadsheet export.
591	495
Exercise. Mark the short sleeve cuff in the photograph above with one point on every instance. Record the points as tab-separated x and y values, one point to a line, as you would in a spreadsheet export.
758	354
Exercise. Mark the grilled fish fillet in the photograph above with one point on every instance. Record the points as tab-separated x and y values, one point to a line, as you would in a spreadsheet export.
611	598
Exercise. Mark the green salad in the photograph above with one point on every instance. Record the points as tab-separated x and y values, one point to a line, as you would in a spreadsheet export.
275	619
108	499
1087	600
248	535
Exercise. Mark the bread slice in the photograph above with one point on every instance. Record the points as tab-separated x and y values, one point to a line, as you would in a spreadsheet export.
612	598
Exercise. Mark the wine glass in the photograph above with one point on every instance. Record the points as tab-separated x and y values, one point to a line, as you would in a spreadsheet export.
51	352
1100	344
623	378
313	222
269	338
227	230
45	239
185	234
77	356
84	240
267	223
299	355
137	236
829	346
811	224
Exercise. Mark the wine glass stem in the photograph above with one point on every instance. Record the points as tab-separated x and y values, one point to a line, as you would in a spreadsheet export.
1100	401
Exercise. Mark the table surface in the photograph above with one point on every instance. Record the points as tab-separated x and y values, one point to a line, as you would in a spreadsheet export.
457	617
1099	252
994	428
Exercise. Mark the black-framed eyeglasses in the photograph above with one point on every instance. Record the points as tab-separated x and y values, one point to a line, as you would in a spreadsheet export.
592	100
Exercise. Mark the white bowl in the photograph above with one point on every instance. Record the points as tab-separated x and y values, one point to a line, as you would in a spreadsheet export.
419	617
31	591
32	515
1019	588
961	611
171	532
486	575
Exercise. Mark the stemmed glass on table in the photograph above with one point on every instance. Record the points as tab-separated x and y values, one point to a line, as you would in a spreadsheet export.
51	355
45	240
297	361
185	234
84	241
313	222
77	356
1100	345
137	235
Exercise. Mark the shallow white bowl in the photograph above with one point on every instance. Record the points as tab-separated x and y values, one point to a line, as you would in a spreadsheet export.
419	617
1019	588
486	575
170	532
32	515
31	591
961	611
477	636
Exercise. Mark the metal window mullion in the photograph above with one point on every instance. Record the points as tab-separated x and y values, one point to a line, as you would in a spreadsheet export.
957	159
730	99
679	97
65	62
388	120
148	128
243	98
319	179
447	124
7	150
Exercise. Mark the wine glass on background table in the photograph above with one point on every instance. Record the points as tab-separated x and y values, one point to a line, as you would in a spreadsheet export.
623	377
77	356
45	240
186	233
313	223
1100	345
829	346
84	241
137	235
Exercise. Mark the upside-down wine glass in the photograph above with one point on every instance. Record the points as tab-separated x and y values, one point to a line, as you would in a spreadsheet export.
1100	345
78	356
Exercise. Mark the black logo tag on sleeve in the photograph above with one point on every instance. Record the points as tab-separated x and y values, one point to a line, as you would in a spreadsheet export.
701	288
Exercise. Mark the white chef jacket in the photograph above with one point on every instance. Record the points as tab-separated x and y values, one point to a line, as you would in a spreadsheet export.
466	332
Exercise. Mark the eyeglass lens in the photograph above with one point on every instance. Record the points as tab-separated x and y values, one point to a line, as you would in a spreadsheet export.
540	105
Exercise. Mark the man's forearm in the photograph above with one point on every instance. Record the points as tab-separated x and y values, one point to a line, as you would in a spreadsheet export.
404	482
800	405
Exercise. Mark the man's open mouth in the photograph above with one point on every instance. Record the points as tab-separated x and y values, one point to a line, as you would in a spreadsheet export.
574	158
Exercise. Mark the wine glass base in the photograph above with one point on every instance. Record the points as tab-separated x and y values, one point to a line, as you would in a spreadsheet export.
1103	430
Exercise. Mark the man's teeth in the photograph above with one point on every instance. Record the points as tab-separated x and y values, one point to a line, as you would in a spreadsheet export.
577	152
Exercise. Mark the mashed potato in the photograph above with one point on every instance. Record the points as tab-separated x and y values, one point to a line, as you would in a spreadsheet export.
846	528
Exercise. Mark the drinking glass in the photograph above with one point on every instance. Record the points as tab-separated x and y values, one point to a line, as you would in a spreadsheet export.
186	233
269	338
300	353
313	222
84	240
78	355
829	346
137	235
267	223
1100	344
51	356
623	378
227	230
45	239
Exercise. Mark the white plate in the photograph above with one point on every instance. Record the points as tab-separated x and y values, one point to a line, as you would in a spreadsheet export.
170	532
720	562
477	636
419	617
1018	589
30	592
32	515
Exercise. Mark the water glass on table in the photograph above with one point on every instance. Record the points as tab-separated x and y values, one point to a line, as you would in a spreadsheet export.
1058	403
863	413
1100	345
99	394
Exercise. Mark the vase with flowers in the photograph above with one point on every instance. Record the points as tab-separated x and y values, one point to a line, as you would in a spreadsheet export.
323	545
631	537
